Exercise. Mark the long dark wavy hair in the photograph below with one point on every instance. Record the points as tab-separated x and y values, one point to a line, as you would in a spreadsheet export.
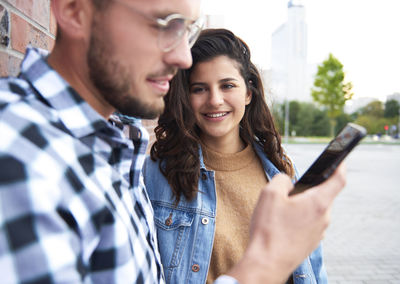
177	135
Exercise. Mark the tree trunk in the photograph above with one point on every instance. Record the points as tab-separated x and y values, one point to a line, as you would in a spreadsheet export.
332	123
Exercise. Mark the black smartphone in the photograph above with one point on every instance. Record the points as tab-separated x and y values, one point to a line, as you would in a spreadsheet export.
330	158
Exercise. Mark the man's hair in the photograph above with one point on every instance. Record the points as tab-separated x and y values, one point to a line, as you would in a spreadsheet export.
100	4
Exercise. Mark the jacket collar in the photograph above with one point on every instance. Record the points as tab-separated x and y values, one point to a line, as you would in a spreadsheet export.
201	158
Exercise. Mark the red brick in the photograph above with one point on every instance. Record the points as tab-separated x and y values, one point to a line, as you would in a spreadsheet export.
9	64
37	10
23	33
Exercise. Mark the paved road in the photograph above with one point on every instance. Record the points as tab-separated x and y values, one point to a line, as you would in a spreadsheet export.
362	244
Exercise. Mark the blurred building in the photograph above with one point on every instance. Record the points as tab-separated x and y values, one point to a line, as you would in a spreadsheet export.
289	75
214	21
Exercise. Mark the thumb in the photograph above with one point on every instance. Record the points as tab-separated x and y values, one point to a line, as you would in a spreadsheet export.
281	183
329	189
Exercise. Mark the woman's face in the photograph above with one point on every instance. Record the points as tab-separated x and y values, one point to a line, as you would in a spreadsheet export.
218	96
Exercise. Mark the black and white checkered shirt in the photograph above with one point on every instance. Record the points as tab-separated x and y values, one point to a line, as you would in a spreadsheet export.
72	202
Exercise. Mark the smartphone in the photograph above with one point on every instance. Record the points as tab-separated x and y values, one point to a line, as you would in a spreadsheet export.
330	158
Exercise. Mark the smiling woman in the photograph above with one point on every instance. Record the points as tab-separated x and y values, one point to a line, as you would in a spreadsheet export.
216	148
218	97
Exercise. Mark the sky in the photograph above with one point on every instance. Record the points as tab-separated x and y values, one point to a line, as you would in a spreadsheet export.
363	34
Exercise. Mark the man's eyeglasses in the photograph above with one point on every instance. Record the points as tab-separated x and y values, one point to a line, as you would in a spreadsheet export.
172	28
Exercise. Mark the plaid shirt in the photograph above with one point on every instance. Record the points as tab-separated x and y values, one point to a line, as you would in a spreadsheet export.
72	202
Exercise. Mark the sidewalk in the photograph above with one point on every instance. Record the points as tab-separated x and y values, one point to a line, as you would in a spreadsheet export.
362	244
325	140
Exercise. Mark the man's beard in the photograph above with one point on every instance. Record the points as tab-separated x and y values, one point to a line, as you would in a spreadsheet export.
113	79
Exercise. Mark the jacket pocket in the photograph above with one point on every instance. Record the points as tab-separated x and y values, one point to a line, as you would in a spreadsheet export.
173	232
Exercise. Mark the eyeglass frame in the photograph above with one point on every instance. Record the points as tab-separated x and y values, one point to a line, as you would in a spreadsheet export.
162	23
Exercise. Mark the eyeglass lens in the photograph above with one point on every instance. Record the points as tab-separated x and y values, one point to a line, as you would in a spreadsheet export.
173	32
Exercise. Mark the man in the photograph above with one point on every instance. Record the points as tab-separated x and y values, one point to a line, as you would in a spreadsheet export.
73	206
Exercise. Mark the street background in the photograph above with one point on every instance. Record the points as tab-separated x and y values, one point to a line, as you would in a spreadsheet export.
362	243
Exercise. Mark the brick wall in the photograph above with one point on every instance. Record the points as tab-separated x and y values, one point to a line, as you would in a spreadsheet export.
23	22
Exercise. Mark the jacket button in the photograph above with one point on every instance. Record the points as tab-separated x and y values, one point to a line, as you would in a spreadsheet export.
203	176
195	268
204	221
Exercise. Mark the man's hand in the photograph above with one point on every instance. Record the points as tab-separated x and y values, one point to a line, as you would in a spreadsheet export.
284	230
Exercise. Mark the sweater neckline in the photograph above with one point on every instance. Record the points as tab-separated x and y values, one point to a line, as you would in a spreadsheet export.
227	162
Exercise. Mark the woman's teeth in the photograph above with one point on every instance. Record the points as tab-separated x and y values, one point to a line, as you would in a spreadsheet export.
214	115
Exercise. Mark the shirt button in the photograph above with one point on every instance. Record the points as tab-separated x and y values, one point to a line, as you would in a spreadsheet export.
204	221
195	268
203	176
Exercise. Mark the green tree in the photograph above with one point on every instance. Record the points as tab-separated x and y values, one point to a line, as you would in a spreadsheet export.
374	125
330	90
278	114
305	119
342	120
392	108
294	108
312	121
373	118
374	109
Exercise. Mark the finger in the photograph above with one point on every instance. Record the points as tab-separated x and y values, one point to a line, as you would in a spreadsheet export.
280	183
329	189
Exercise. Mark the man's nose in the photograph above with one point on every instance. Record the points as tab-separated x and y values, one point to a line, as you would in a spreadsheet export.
180	56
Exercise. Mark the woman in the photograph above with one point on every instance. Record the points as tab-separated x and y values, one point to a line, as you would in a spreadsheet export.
216	148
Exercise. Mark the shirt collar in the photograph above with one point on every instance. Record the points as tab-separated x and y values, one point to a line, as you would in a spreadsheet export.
79	118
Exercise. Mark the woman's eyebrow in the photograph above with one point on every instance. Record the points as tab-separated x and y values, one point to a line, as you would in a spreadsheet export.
227	80
197	83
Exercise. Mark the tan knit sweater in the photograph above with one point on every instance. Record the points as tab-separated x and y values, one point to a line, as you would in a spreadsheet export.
239	178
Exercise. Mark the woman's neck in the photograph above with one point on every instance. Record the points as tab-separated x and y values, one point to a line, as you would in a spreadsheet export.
225	146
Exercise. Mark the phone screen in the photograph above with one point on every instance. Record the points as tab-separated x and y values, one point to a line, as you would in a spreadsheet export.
331	157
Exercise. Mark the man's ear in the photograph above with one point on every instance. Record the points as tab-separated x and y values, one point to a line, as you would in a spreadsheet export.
73	16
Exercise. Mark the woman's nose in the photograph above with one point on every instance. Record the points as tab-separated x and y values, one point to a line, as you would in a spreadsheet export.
216	98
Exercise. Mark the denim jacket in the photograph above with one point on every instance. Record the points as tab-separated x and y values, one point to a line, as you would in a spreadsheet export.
186	232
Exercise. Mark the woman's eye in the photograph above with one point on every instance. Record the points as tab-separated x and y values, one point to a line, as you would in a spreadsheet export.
196	90
227	86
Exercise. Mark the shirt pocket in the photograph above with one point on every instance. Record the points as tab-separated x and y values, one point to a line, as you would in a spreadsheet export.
173	232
